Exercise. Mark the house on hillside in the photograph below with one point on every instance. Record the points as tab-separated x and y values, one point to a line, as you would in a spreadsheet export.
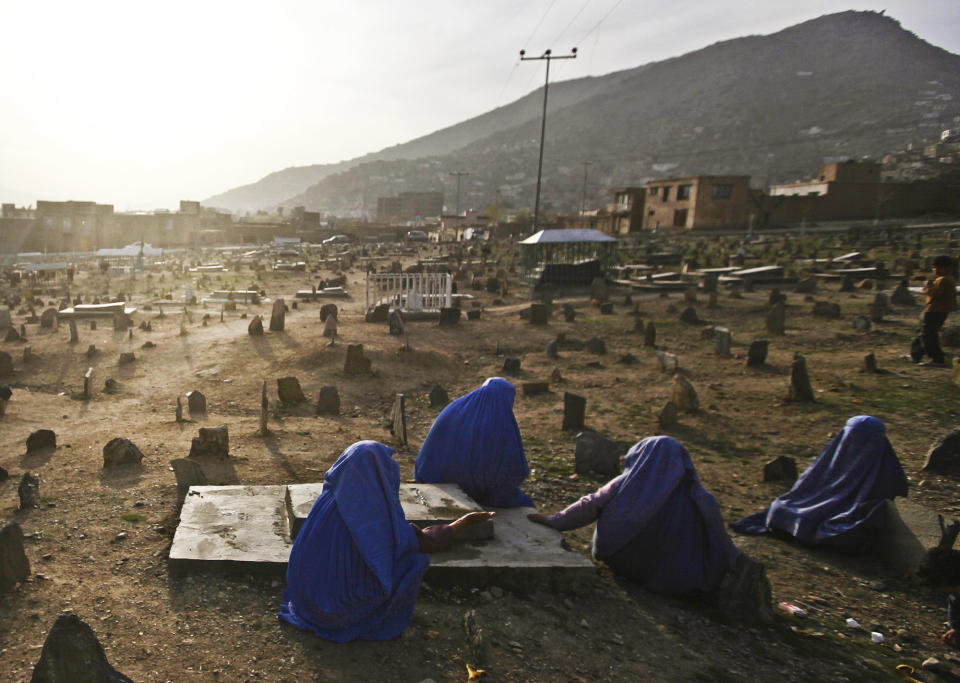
704	201
626	215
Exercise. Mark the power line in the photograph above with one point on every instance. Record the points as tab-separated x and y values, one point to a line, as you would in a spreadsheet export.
539	23
570	23
602	19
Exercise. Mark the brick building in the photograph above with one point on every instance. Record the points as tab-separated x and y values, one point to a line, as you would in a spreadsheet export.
626	215
697	202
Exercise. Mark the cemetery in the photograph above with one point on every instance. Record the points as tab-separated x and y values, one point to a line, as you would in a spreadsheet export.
165	433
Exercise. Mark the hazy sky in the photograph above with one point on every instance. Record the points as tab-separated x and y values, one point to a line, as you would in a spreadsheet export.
142	104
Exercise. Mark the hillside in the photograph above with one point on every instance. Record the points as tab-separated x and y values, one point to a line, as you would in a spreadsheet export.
852	84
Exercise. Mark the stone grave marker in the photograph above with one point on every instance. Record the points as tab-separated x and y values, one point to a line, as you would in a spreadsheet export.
327	310
278	315
650	335
93	325
826	309
552	351
689	316
574	412
289	391
877	313
12	335
196	403
901	296
398	419
6	364
449	317
782	468
29	491
668	362
596	453
188	473
684	396
178	416
757	353
534	388
356	363
28	356
870	363
126	358
800	387
438	397
744	593
597	345
328	401
40	440
88	383
211	441
264	408
776	297
397	322
606	308
72	652
511	365
255	328
48	318
378	314
668	416
943	457
777	320
74	336
539	314
722	340
569	313
14	564
121	451
847	284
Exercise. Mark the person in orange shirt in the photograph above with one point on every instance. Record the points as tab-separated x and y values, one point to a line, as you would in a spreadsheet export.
941	294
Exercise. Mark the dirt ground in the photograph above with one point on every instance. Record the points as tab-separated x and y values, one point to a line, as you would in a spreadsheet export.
98	543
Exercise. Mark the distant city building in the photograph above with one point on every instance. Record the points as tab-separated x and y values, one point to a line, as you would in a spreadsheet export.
410	205
72	226
830	175
697	202
627	211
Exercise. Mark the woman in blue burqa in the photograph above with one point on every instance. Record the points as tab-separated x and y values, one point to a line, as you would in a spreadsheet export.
356	565
656	524
475	442
839	501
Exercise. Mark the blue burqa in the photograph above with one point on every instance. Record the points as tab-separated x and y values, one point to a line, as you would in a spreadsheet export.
475	442
839	500
662	527
355	568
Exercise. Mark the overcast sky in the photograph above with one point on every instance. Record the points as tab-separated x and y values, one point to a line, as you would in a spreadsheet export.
143	104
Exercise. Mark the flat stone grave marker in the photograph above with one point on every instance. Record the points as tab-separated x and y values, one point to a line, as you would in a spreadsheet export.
244	529
398	419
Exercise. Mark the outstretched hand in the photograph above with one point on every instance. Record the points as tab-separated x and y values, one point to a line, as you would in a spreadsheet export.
950	638
539	518
471	519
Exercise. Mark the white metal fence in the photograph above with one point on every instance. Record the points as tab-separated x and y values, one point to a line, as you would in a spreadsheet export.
410	291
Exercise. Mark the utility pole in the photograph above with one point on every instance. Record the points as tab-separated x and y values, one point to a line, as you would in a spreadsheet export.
459	175
546	56
583	196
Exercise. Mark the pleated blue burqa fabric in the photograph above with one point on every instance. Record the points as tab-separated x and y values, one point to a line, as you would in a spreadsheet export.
475	442
662	528
839	500
355	567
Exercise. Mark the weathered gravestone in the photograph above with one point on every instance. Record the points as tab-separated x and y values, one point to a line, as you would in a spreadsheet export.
534	388
121	451
278	315
569	313
847	285
196	403
668	416
178	414
6	364
776	297
289	391
826	309
397	322
327	310
14	564
188	473
329	328
744	594
48	318
800	387
596	453
757	353
606	308
29	491
398	419
668	362
449	316
782	468
378	314
40	440
356	363
870	363
684	395
574	412
650	335
901	296
72	654
689	316
212	441
722	340
638	326
12	335
597	345
511	365
264	409
74	335
438	397
255	328
552	351
777	320
539	314
126	358
944	455
328	401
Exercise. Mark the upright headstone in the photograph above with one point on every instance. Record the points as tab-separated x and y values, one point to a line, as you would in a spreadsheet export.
722	339
29	491
449	317
264	409
211	441
88	383
668	362
72	652
289	391
552	347
569	313
777	320
121	451
328	401
901	296
398	419
574	412
539	314
278	315
870	363
596	453
438	397
14	564
689	316
188	473
74	336
757	353
6	364
684	395
196	403
41	439
179	413
690	295
800	387
511	365
356	363
650	335
744	593
48	318
668	416
397	322
327	310
255	328
847	285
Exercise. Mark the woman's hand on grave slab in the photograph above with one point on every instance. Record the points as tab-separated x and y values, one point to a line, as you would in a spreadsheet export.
471	519
539	518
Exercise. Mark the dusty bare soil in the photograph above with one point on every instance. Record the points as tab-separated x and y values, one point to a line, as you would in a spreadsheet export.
209	628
